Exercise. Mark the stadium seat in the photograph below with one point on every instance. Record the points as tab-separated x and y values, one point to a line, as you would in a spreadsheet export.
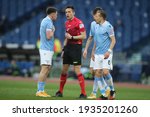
136	71
16	8
4	8
134	28
21	8
12	10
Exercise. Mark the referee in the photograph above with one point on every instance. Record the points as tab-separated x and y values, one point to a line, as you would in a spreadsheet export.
75	33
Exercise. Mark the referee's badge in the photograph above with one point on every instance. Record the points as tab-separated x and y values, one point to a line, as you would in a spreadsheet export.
81	25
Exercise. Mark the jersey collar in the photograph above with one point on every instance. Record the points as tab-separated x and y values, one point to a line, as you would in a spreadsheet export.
49	18
72	19
103	23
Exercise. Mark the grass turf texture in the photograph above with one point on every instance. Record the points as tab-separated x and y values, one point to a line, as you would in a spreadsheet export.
23	90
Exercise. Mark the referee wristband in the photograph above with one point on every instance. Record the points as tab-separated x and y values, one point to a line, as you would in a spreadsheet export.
109	50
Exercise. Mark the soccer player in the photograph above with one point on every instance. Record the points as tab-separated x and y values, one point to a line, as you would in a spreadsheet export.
46	49
91	36
75	33
105	40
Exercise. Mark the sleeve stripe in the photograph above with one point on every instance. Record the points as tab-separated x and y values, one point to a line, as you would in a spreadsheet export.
111	35
49	29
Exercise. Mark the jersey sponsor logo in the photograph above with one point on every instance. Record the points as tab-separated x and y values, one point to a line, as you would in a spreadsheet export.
81	25
110	26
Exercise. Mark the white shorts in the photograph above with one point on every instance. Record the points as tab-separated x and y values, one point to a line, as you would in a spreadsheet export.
91	63
46	57
101	63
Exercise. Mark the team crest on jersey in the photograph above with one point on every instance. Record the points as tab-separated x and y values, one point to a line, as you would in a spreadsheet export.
67	29
109	26
81	25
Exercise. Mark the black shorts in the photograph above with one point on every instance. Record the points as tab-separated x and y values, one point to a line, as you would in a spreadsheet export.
72	54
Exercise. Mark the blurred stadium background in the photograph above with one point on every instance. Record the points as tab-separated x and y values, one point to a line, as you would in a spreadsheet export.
19	37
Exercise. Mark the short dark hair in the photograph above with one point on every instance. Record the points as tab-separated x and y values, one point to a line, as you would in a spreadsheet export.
70	6
101	11
50	10
97	9
103	14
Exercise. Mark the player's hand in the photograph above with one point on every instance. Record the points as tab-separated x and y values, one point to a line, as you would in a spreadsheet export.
68	36
106	55
62	54
84	54
93	57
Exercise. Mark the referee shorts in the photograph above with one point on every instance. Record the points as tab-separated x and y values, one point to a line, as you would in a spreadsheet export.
72	54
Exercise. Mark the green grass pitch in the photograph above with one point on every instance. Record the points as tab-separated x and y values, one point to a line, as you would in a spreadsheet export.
24	90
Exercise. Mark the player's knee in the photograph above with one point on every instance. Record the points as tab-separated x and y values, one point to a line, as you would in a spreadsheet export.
98	73
92	71
64	71
105	72
48	68
77	69
45	69
77	72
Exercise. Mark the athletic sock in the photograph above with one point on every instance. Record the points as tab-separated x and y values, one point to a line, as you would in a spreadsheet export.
41	86
82	83
63	79
102	85
109	81
95	87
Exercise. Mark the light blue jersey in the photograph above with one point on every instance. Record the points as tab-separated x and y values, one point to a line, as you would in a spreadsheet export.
46	44
92	31
101	34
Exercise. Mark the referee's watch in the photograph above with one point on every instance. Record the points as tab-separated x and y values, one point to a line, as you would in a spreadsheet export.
72	37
